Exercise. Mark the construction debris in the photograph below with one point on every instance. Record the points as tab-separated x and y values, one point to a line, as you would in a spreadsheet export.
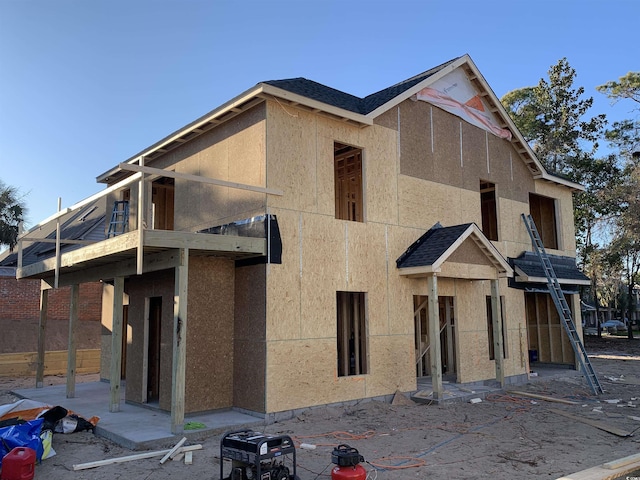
174	451
542	397
139	456
602	426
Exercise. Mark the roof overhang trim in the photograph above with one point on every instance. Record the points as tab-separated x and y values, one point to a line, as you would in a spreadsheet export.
497	260
522	277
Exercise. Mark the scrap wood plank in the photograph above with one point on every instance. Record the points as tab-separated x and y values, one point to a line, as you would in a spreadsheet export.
188	458
602	426
130	458
542	397
174	451
607	471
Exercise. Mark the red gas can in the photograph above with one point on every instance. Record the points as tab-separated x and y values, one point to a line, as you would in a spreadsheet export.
18	464
349	473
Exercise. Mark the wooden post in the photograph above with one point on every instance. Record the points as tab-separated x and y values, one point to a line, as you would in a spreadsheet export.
42	330
141	219
179	343
116	345
498	347
434	338
57	265
71	353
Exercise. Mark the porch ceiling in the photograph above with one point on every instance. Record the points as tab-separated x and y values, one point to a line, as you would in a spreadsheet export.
117	256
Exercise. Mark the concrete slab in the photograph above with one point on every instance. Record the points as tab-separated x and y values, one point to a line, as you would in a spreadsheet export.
133	427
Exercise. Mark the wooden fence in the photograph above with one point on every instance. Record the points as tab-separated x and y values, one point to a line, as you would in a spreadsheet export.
55	363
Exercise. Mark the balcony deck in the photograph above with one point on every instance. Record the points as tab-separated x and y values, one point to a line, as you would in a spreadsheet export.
118	256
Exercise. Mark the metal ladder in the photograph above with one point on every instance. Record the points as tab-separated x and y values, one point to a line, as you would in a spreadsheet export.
119	218
561	305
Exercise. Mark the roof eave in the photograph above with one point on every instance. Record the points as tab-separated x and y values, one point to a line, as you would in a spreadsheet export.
316	106
233	107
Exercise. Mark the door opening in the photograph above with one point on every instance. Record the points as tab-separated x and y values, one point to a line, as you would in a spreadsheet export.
154	350
447	336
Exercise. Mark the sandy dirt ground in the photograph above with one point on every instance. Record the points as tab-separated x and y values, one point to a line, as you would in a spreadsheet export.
504	437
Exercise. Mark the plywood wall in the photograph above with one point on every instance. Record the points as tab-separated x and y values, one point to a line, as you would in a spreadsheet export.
408	188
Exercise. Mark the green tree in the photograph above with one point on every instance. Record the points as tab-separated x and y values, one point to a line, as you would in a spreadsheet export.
12	212
627	87
551	117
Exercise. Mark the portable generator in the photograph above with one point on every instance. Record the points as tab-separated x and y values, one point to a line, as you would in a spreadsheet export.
255	456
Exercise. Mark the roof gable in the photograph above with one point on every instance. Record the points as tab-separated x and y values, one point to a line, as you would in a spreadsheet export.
428	254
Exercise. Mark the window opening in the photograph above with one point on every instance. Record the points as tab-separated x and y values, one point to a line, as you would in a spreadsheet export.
348	182
352	334
543	212
162	203
488	208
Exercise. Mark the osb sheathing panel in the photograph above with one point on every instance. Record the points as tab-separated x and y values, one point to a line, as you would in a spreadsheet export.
157	284
474	155
324	271
392	366
249	338
366	268
422	204
469	252
210	321
283	310
301	162
381	170
416	153
310	378
234	152
292	153
388	119
446	146
304	373
461	154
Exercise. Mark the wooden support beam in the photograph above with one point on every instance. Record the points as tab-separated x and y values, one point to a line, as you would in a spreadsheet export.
179	343
498	347
199	179
141	219
116	345
434	338
42	331
71	351
57	267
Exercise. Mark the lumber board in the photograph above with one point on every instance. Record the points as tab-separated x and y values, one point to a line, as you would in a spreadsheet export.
605	472
622	462
174	451
542	397
188	458
131	458
24	364
600	425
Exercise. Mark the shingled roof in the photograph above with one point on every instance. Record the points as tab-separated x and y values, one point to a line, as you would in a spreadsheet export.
431	246
331	96
529	268
86	223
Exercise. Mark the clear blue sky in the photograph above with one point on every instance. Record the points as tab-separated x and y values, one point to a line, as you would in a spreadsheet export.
86	84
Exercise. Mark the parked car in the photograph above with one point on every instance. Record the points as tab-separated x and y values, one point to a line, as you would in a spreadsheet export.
614	326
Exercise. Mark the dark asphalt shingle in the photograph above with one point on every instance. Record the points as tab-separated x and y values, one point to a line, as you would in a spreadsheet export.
430	246
565	267
331	96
